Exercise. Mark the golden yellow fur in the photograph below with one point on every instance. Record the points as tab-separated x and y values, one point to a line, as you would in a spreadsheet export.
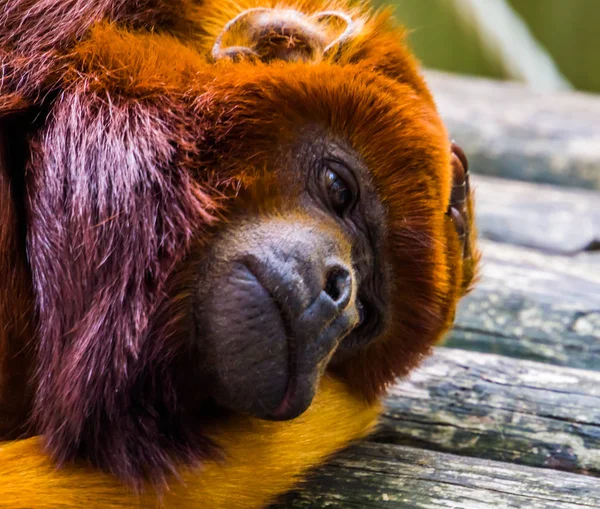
263	459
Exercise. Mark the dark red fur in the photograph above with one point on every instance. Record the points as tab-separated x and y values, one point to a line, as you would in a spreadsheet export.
35	34
16	300
111	211
111	214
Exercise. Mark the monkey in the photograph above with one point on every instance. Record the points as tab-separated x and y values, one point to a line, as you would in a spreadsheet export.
227	228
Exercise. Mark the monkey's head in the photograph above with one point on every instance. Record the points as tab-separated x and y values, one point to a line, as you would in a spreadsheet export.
347	237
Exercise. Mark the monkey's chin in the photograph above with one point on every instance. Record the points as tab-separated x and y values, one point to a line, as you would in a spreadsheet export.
296	401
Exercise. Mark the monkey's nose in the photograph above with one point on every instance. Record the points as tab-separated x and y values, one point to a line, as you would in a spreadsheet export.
338	286
332	313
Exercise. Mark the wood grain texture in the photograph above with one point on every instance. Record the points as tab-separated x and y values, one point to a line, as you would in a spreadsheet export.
390	476
497	408
512	131
532	305
547	218
537	426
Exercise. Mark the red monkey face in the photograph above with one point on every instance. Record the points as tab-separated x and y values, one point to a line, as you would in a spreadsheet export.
343	232
294	276
342	237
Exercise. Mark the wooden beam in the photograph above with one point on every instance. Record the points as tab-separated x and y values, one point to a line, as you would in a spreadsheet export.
458	408
547	218
497	408
511	131
533	306
389	476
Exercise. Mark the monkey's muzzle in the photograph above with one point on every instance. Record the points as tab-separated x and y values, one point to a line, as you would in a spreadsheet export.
275	319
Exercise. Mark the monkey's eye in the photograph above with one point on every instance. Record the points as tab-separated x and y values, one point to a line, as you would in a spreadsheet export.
341	195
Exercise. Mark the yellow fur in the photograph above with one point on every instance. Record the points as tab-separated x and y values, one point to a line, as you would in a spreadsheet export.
263	459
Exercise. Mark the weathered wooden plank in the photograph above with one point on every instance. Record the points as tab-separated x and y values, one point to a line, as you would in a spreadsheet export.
511	131
592	258
390	476
544	217
497	408
534	306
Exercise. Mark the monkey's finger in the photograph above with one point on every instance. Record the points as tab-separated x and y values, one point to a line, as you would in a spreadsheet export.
459	184
459	209
458	152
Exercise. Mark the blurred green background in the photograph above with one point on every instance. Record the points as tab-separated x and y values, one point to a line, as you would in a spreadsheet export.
569	30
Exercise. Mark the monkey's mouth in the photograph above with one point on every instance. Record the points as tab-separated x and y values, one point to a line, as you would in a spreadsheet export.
267	360
311	338
309	354
289	406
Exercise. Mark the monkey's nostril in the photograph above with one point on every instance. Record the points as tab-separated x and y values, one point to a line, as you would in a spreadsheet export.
338	285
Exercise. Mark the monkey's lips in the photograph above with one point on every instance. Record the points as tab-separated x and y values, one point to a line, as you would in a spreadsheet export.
268	362
291	406
312	338
299	386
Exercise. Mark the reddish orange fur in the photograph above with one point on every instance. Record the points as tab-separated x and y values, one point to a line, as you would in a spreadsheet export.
376	99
